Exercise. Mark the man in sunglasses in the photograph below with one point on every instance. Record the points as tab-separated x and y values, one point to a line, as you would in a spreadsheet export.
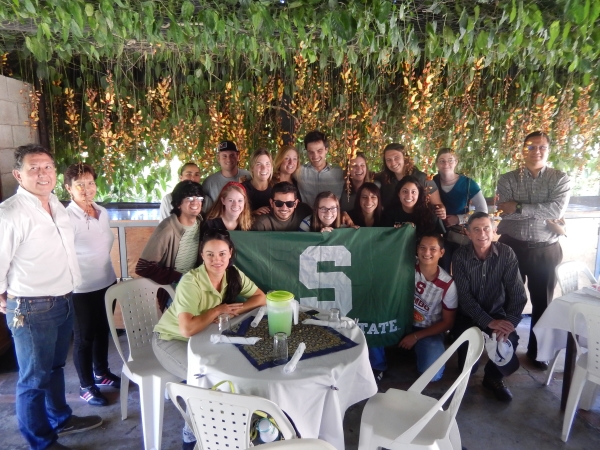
286	211
172	249
532	199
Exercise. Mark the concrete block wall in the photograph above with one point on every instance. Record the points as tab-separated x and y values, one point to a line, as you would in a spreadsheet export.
14	129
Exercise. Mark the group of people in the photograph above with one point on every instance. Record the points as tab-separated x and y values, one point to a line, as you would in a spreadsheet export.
464	276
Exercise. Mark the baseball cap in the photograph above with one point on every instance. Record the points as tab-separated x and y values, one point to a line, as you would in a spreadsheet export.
501	353
227	146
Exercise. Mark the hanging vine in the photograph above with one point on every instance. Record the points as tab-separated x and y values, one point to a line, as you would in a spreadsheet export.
131	84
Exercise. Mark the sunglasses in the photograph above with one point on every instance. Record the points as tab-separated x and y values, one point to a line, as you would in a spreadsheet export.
280	203
191	199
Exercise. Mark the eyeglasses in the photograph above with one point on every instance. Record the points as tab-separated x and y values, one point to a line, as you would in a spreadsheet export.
533	148
326	210
191	199
446	161
280	203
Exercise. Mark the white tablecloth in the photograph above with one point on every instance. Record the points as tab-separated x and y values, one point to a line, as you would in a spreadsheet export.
552	328
315	396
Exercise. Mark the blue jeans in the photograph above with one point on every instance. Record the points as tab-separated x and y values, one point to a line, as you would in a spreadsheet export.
377	358
428	350
41	344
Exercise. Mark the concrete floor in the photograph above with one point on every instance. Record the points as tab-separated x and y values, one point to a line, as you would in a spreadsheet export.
532	421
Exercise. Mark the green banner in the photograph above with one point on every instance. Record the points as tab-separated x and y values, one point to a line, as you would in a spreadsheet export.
367	273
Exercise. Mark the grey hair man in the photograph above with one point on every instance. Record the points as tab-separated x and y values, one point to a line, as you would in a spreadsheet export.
491	295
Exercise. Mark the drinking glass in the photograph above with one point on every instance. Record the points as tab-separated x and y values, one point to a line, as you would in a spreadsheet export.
280	349
223	323
334	315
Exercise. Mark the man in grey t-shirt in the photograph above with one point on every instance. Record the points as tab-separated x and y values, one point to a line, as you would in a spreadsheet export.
228	158
286	212
317	175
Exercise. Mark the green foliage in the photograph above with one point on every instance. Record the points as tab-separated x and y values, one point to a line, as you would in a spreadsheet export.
501	63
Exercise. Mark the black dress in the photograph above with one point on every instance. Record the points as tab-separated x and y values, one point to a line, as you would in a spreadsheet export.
256	198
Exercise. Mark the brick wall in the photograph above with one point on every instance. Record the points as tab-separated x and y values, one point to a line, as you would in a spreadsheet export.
14	129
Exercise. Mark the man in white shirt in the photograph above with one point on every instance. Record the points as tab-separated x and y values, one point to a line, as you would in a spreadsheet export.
228	158
189	171
38	271
317	175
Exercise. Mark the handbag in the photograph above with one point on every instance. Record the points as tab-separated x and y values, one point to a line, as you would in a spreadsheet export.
458	235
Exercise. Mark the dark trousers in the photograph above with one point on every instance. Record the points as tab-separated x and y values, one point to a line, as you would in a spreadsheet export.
537	267
463	323
90	346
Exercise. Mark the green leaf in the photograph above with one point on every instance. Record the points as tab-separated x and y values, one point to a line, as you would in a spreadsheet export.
566	31
257	20
554	31
46	29
513	12
89	9
573	65
187	9
29	7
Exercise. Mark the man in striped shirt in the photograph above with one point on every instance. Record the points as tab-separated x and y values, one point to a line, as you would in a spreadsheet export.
491	294
532	199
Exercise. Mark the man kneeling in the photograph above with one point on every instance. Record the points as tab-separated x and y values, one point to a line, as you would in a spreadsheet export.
436	301
491	295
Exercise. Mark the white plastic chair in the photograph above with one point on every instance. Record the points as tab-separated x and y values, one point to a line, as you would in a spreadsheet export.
587	368
567	274
140	313
410	420
298	444
221	420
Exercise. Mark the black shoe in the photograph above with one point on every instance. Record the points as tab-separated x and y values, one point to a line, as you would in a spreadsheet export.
77	424
499	389
378	374
188	445
93	396
542	365
108	379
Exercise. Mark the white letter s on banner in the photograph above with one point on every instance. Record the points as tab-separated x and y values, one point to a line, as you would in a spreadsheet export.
312	279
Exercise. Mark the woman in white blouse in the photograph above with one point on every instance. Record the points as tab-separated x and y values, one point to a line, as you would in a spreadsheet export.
93	242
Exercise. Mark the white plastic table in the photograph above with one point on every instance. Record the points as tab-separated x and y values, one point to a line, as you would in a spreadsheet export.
316	395
552	332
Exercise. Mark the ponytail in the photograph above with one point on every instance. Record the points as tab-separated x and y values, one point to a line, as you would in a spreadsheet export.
234	285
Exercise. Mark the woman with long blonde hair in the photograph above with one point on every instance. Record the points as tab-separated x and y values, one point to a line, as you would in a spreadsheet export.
258	188
231	211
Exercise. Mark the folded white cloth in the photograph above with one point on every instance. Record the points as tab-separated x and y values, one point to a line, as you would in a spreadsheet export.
291	365
592	291
259	315
223	339
345	322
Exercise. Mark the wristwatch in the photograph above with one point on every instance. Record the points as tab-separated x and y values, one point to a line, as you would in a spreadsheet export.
519	208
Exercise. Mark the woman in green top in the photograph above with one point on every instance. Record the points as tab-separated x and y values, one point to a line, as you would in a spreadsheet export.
202	295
